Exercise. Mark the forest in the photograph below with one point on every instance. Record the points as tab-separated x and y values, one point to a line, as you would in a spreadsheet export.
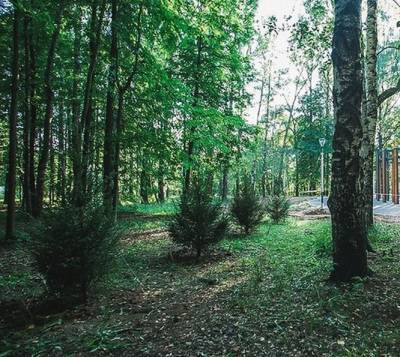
199	177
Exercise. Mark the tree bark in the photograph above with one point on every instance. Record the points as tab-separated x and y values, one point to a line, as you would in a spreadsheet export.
265	143
27	121
370	116
224	183
49	96
345	203
12	150
61	157
33	114
76	133
83	125
110	121
196	93
120	111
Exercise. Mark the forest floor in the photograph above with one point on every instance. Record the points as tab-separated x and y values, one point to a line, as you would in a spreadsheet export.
265	294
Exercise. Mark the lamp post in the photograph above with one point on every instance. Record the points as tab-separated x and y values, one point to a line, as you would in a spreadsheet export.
322	142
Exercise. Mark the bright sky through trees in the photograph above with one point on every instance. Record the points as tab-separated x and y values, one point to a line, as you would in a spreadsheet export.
294	8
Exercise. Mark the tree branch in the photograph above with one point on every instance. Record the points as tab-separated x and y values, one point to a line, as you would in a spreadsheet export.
388	48
386	94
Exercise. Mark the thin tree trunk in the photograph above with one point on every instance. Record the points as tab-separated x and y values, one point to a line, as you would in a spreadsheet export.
76	134
196	93
110	121
27	121
12	150
33	113
345	203
265	143
278	184
371	111
49	96
224	183
120	111
51	168
61	157
83	125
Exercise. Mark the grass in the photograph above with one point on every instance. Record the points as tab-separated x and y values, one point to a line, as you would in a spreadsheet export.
263	294
145	217
167	208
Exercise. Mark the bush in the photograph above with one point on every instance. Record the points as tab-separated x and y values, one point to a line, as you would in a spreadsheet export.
246	208
277	208
199	221
73	250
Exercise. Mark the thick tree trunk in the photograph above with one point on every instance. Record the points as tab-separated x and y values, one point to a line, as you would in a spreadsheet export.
345	203
110	121
12	150
49	96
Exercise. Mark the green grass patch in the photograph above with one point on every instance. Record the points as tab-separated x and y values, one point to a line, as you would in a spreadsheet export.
263	294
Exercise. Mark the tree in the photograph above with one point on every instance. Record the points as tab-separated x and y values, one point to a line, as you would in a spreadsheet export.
110	122
246	208
373	102
48	117
345	203
12	151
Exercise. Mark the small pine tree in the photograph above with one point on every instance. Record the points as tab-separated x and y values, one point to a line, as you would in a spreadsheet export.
246	208
277	208
199	221
73	249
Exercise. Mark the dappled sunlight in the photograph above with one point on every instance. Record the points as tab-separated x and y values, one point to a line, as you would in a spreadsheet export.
165	173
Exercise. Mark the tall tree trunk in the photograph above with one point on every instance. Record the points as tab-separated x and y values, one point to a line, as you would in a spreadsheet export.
117	153
196	93
371	111
265	143
81	151
224	183
278	181
76	133
372	104
33	114
51	168
120	111
27	121
345	203
144	181
110	121
49	96
61	157
12	150
161	182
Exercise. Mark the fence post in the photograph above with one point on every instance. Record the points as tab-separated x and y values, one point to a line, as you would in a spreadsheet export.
395	176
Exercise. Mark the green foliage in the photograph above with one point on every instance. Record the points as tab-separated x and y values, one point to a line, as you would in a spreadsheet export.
246	208
277	208
271	288
73	250
199	221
